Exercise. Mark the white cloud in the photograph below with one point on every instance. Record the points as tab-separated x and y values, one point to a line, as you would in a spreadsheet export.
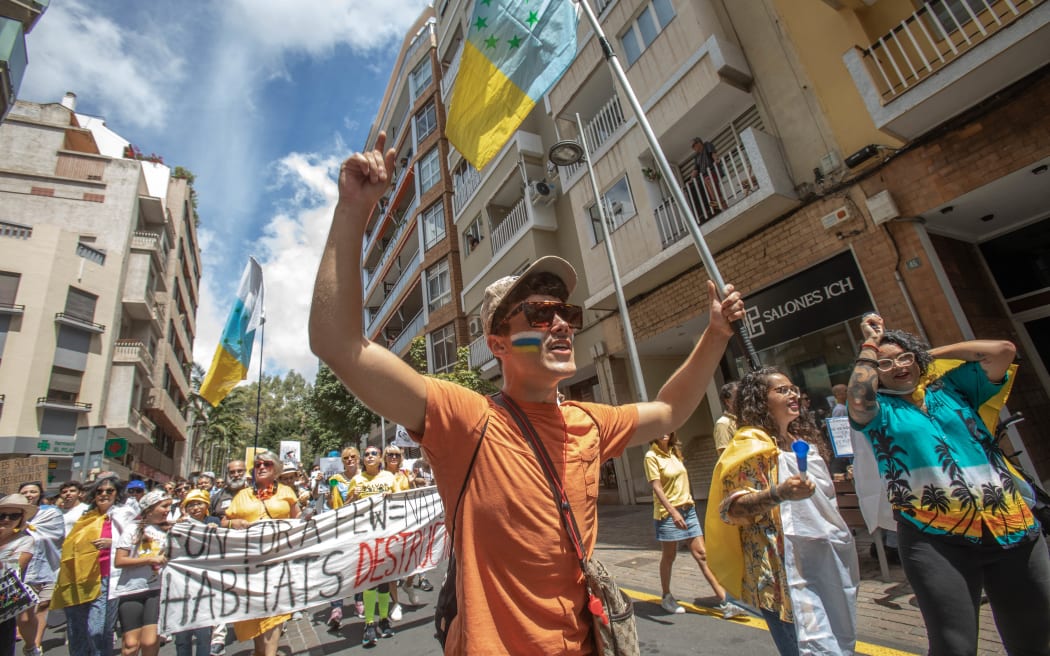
126	72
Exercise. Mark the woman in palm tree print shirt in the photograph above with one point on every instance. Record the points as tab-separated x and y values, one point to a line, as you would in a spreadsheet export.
962	523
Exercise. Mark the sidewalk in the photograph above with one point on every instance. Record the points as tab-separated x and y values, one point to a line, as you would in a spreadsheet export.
887	613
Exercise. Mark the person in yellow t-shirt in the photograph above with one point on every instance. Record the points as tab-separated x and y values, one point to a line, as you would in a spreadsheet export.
265	500
674	516
375	480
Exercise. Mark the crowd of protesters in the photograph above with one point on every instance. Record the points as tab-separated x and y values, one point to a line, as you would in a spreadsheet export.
93	553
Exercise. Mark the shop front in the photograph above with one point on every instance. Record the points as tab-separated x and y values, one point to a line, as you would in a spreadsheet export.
807	325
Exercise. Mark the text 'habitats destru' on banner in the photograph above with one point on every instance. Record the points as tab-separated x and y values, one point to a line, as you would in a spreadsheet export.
217	575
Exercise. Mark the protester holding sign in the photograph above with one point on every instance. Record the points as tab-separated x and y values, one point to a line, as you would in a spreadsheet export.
48	529
520	586
16	550
962	523
140	553
264	500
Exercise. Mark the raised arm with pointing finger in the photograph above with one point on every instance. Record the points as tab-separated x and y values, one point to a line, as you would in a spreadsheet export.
519	583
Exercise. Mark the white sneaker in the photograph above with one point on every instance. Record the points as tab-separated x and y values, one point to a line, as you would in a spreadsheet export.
729	611
670	604
395	613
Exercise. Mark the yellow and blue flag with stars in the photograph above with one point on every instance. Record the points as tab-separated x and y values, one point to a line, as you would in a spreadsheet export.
234	353
516	51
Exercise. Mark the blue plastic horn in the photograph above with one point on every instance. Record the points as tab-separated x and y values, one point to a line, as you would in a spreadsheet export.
801	449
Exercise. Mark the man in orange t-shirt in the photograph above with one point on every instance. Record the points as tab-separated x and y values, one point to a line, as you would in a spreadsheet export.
519	587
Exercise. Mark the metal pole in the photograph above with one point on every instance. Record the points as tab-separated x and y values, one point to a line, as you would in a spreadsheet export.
258	390
621	301
665	169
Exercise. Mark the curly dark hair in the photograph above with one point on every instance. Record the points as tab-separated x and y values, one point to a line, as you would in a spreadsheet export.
752	409
119	498
543	283
911	344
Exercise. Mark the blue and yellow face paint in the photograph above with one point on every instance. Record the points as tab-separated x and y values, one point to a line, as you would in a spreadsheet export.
527	341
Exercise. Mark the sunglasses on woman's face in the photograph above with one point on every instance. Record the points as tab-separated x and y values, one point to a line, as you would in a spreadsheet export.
263	463
371	453
11	517
540	314
106	490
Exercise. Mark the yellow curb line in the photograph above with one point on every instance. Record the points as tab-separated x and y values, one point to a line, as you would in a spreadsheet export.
756	623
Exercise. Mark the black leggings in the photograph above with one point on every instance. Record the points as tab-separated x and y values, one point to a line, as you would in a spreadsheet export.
947	579
139	610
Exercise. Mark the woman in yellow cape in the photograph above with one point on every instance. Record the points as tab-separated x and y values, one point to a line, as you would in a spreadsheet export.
82	588
776	541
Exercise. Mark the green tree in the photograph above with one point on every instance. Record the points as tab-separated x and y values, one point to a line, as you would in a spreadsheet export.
336	417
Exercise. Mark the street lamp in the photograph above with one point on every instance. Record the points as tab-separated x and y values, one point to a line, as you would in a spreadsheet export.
567	153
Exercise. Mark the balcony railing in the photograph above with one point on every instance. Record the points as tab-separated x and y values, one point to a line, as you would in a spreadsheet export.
15	230
407	275
413	328
91	254
79	322
449	78
62	404
465	184
479	352
599	129
935	35
12	308
511	225
132	350
391	247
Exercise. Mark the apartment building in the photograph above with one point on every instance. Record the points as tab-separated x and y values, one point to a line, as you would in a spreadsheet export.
880	155
17	18
411	262
99	278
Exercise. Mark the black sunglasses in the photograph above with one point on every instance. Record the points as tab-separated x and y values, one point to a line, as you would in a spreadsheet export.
11	516
540	314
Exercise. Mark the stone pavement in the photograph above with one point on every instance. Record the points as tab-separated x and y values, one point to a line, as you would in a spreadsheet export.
887	613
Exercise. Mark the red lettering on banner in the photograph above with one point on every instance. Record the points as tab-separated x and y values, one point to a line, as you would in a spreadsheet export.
392	540
364	564
428	556
413	550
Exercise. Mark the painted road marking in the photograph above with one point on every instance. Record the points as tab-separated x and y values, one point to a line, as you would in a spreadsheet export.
750	620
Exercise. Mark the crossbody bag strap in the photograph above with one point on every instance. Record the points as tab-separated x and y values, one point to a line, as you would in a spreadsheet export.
466	479
568	520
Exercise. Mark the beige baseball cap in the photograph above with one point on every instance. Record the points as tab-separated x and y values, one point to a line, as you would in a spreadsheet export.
502	288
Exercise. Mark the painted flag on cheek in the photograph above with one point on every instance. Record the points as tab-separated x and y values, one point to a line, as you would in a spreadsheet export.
234	353
516	51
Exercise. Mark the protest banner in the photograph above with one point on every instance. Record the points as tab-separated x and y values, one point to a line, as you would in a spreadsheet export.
217	575
19	470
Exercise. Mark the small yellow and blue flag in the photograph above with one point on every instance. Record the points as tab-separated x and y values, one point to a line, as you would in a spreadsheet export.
516	51
234	353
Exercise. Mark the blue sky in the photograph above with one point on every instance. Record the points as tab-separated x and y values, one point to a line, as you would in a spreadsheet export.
261	99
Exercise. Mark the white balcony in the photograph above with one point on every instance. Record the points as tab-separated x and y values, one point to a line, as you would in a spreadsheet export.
945	58
133	352
511	225
135	427
408	274
599	129
410	331
749	187
465	184
481	358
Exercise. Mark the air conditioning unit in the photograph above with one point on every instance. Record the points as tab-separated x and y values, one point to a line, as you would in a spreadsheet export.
541	192
475	327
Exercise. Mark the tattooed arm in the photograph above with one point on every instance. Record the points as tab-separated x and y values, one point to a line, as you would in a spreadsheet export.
860	394
993	355
742	507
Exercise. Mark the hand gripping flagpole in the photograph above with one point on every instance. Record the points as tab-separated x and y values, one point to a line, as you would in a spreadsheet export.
668	174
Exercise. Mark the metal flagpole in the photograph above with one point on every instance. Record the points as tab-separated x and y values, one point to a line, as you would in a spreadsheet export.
668	174
621	301
258	390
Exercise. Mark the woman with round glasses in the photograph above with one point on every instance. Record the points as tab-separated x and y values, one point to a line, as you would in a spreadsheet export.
83	582
48	529
776	540
266	499
962	523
